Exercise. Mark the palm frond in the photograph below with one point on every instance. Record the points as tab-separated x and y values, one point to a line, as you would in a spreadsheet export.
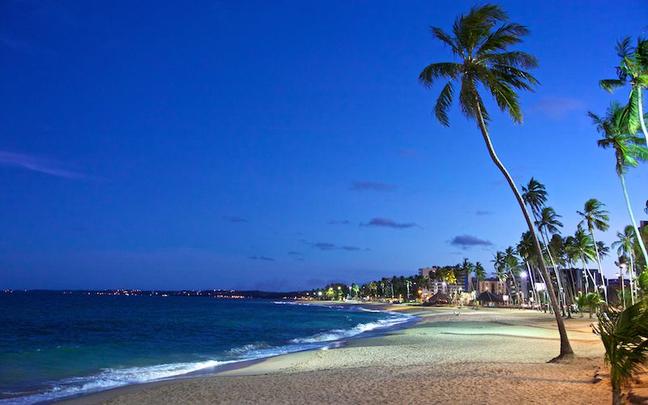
631	115
623	48
503	37
472	28
438	70
444	37
443	103
610	84
517	59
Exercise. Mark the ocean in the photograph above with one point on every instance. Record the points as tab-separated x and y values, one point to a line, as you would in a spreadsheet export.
54	346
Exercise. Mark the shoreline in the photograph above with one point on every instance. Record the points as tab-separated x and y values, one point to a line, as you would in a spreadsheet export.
445	346
244	363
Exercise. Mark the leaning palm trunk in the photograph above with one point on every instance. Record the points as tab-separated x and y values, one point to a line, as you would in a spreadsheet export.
591	277
517	287
561	290
565	347
534	291
598	263
632	218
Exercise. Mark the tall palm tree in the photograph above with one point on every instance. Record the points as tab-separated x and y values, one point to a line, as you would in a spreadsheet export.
480	274
499	264
481	40
466	269
535	195
624	246
572	255
512	265
526	251
583	244
548	223
632	69
628	151
595	217
556	248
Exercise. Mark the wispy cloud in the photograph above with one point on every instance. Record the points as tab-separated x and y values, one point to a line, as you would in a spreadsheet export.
559	107
294	253
327	246
468	241
390	223
235	219
339	222
482	213
371	186
264	258
40	165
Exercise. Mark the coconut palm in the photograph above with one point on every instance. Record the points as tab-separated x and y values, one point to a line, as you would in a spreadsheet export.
625	337
480	40
548	223
526	251
624	246
628	151
632	69
571	256
595	216
466	268
480	274
583	244
535	195
512	265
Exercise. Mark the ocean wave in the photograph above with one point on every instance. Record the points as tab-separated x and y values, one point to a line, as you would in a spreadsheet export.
113	378
338	334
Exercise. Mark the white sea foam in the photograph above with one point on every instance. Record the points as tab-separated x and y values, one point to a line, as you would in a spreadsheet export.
113	378
338	334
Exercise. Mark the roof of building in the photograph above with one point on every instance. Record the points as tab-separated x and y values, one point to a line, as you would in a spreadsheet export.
488	296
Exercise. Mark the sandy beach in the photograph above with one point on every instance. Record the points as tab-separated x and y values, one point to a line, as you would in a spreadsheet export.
483	356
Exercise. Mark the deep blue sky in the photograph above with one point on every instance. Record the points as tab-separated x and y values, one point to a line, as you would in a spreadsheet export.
251	144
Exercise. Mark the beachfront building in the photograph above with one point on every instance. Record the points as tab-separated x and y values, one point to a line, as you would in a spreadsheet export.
428	272
441	288
492	285
580	280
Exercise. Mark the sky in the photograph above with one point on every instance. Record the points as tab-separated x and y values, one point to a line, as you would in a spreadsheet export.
281	145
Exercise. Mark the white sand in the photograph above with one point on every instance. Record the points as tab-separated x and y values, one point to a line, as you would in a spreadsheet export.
484	356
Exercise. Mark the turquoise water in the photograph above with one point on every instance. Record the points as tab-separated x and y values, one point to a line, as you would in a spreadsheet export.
54	345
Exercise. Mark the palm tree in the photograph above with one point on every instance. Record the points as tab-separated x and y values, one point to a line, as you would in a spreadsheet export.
548	223
582	243
625	248
632	69
500	267
480	274
512	264
625	337
628	151
595	217
526	252
466	268
481	40
535	195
